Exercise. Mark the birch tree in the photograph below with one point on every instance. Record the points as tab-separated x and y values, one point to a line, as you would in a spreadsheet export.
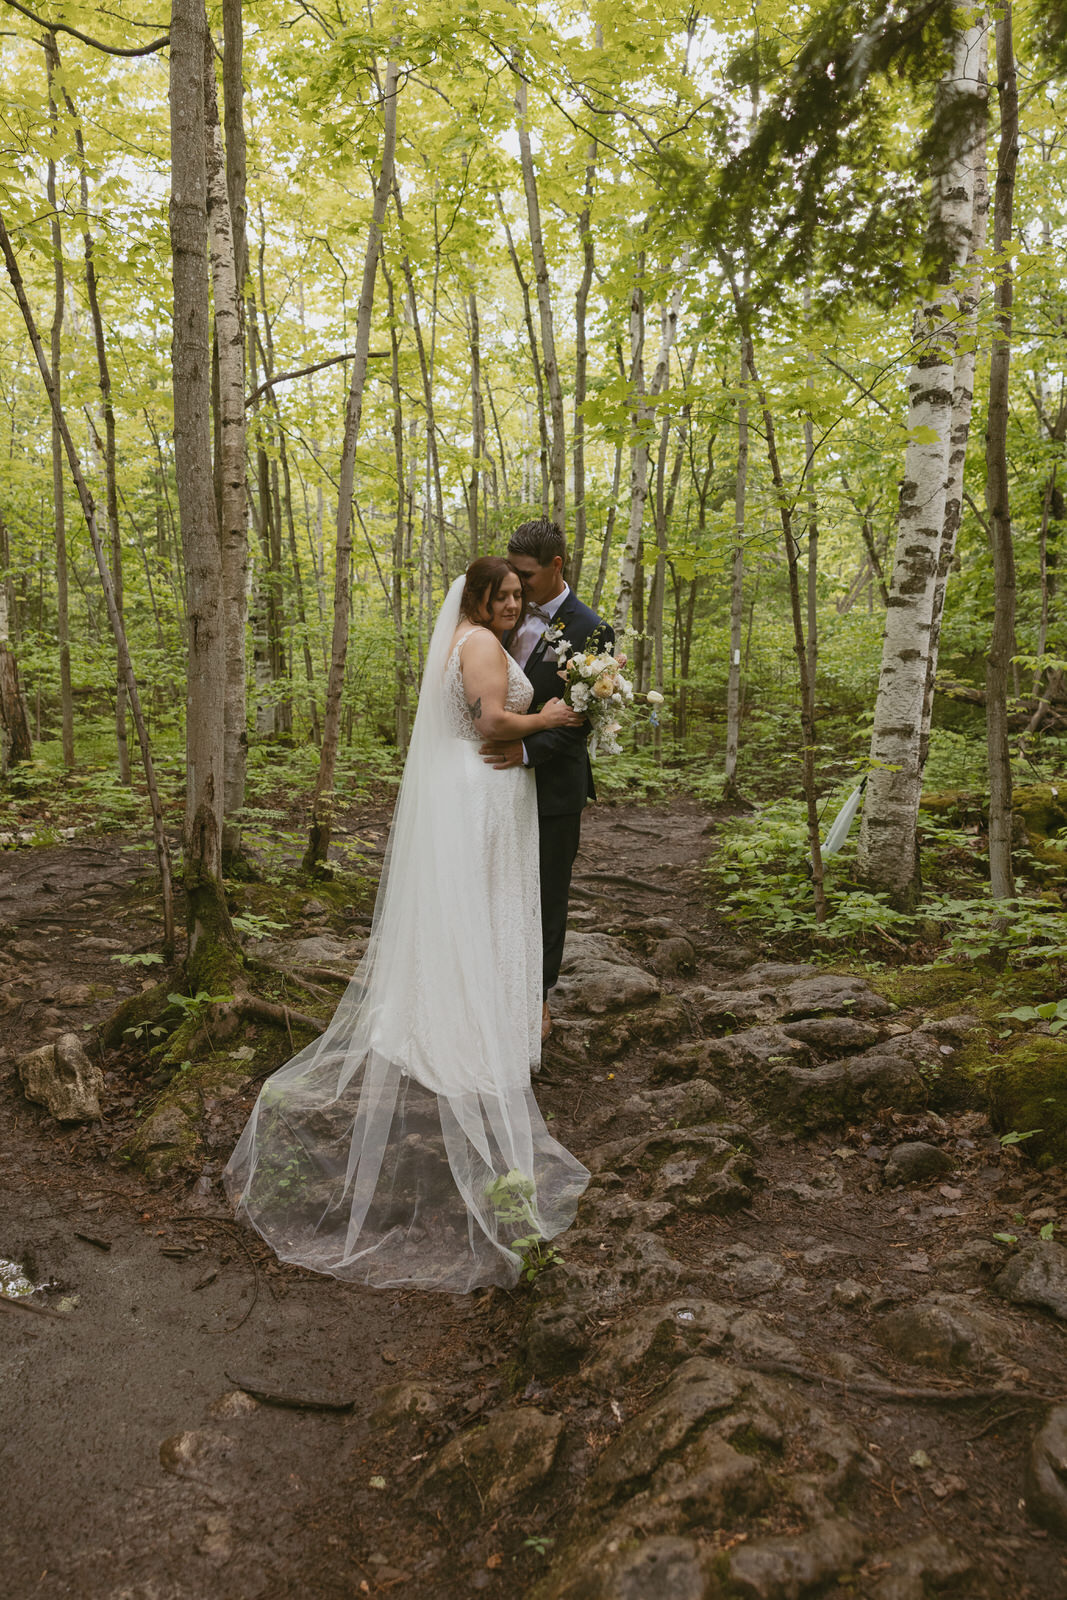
888	854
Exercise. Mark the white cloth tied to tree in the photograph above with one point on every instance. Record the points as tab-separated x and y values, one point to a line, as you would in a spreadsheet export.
404	1146
842	823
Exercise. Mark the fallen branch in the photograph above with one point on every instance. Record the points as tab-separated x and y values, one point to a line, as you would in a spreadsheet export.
24	1305
293	1402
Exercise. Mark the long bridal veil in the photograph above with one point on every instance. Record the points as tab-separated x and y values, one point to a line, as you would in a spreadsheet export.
404	1145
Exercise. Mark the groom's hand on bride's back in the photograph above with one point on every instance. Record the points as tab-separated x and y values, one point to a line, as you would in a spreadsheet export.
501	753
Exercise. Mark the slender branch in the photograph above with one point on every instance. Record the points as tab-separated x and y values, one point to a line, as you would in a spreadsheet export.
304	372
108	49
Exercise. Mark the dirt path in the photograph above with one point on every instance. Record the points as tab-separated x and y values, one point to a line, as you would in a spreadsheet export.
755	1351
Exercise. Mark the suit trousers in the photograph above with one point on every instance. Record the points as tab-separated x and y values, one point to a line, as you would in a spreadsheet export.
558	837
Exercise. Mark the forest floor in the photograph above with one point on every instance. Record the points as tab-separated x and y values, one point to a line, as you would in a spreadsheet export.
880	1396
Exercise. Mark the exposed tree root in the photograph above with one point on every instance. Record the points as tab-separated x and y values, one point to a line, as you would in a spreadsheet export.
889	1391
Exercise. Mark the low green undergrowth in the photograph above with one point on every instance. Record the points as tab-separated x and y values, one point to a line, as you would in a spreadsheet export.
763	866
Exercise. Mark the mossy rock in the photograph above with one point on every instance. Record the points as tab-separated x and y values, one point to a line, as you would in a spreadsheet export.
1040	812
1028	1092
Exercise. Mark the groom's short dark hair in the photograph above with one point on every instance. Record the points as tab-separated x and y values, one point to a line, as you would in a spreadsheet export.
542	539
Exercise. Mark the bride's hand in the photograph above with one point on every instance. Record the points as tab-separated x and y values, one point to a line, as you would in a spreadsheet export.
558	714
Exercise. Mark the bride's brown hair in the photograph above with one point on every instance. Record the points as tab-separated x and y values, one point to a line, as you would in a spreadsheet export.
482	587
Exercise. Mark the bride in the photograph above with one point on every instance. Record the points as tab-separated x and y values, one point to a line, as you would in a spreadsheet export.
404	1146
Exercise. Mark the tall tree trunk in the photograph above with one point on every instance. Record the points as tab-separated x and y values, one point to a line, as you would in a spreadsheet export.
478	441
15	743
643	420
807	688
888	855
813	521
104	377
535	356
433	460
402	529
737	592
557	459
229	344
1001	648
962	387
581	363
66	693
609	530
212	944
322	806
89	512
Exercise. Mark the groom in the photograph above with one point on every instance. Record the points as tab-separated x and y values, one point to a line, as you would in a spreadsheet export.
538	552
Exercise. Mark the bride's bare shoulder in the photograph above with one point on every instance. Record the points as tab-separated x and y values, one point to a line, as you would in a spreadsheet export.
476	641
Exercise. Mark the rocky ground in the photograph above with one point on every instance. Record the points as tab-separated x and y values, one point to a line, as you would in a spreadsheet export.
784	1353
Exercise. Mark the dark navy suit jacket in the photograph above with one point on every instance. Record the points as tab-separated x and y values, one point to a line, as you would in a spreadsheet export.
558	755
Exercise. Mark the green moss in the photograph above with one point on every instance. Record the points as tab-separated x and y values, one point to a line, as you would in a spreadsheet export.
1028	1090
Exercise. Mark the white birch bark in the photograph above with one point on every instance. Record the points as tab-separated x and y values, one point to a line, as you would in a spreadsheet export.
888	857
737	593
962	392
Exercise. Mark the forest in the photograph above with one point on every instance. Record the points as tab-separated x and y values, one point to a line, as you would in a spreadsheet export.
306	306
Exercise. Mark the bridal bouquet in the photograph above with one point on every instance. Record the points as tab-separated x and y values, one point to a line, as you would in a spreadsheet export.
594	685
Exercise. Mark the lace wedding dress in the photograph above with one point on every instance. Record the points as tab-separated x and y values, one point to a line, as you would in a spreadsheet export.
404	1146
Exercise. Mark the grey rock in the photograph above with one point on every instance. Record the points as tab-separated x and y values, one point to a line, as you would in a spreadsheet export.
973	1259
198	1454
951	1029
698	1169
687	1105
850	1294
731	958
890	1073
597	986
834	1034
916	1162
787	1567
319	949
751	1336
673	956
616	1566
756	1050
602	1210
759	1275
667	1333
581	948
556	1339
820	1256
772	975
930	1565
736	1405
813	997
730	1008
61	1077
945	1331
635	1263
1037	1276
1046	1473
491	1466
404	1402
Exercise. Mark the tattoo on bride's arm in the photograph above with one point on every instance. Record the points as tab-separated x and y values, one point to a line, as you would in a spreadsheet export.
475	709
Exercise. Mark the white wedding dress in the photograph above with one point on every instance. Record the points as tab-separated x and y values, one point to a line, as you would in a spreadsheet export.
404	1146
